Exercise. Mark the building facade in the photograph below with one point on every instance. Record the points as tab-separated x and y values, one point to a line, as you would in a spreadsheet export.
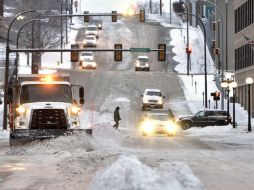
244	50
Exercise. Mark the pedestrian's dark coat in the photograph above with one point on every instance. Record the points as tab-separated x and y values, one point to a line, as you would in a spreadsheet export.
117	115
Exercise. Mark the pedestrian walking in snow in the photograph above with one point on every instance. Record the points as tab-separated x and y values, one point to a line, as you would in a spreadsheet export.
117	117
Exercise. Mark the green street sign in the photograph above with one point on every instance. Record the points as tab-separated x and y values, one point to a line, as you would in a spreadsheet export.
139	49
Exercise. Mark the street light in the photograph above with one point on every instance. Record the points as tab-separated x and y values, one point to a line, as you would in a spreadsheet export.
227	84
178	8
249	82
234	85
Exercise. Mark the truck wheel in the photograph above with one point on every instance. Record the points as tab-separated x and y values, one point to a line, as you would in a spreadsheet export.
148	69
89	131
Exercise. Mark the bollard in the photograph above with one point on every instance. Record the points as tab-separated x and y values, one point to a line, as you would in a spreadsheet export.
209	103
203	98
195	87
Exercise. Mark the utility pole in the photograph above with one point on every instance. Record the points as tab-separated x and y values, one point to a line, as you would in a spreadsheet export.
161	7
150	7
1	7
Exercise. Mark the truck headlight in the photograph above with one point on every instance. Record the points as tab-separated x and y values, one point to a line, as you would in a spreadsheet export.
94	64
75	110
21	110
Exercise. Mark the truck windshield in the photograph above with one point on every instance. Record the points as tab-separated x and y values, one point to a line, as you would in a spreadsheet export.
45	93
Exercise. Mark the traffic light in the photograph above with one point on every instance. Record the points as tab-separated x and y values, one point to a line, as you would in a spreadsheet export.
74	54
114	17
118	54
142	16
213	44
216	96
188	50
214	25
162	53
217	51
86	17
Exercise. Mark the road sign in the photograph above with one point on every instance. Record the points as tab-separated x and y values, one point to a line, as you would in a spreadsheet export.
140	49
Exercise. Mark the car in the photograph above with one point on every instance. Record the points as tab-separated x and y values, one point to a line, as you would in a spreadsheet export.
90	41
96	21
89	64
158	123
205	117
142	63
152	98
88	55
92	30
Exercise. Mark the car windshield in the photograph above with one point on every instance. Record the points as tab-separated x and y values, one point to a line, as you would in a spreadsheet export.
142	59
92	28
87	54
45	93
95	21
153	93
159	117
90	38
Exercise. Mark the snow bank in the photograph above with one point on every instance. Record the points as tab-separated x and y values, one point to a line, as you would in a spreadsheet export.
62	146
225	134
3	133
129	173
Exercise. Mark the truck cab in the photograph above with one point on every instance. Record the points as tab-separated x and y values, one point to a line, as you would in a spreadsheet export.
44	102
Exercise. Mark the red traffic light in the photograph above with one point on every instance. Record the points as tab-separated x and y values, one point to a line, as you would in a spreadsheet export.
188	50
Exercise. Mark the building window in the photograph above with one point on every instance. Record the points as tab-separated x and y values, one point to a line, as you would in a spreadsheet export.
244	15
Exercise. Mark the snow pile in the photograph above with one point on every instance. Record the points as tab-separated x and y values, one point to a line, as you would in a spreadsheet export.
129	173
65	145
3	133
179	40
225	134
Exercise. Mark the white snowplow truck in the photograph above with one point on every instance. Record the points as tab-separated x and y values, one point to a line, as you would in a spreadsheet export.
42	106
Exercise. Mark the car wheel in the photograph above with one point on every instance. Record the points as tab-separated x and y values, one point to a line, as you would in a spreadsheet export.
186	125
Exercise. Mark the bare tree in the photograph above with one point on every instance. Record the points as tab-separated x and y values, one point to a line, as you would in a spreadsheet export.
145	5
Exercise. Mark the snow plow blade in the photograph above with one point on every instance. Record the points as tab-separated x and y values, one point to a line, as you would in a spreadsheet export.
21	136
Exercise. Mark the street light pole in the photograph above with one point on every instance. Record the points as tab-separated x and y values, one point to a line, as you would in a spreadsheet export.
226	1
176	6
187	46
7	63
249	82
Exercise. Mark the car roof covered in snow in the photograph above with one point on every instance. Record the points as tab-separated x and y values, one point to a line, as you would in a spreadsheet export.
152	90
143	56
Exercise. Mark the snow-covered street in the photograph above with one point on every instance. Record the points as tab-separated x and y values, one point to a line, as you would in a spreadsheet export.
213	157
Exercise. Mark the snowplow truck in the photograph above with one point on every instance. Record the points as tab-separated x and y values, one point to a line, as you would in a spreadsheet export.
42	106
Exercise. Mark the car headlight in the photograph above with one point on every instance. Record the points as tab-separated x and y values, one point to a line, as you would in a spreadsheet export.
75	110
171	128
21	110
94	64
148	127
160	102
145	100
99	25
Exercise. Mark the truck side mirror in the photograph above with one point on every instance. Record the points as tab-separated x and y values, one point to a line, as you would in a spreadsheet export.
81	95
